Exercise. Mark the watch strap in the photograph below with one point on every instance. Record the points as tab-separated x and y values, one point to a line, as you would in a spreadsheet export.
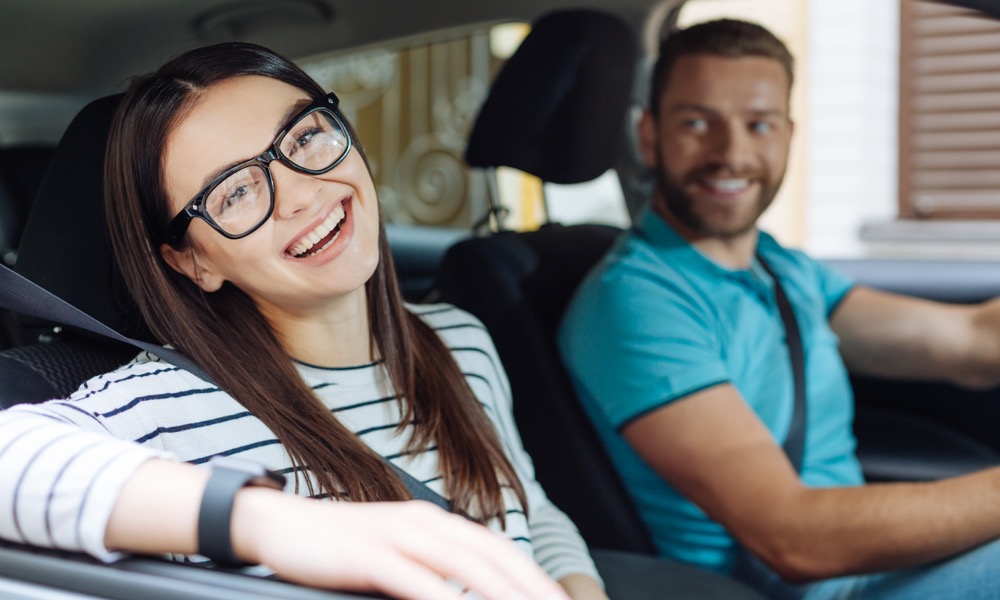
216	515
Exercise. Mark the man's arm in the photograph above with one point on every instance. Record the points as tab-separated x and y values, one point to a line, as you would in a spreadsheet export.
898	336
715	451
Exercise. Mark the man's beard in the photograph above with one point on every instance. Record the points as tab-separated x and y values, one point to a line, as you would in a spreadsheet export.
684	208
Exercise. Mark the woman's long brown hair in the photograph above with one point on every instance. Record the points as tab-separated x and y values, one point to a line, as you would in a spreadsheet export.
225	334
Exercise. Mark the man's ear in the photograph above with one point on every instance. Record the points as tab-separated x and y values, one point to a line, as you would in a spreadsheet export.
646	130
186	263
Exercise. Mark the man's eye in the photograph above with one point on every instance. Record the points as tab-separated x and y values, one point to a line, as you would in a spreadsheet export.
761	127
695	124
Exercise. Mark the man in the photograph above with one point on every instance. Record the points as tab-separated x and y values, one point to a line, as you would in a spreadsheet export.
676	346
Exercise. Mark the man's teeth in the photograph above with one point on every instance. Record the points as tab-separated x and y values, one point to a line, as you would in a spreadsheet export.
728	185
310	239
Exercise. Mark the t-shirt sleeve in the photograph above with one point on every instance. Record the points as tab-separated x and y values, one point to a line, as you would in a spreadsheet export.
833	284
634	341
59	483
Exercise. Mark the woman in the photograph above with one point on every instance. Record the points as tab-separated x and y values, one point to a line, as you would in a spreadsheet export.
270	269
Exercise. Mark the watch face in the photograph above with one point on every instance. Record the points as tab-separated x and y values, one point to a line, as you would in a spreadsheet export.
256	472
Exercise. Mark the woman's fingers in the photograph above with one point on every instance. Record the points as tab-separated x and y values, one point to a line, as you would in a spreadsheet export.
401	577
490	564
406	549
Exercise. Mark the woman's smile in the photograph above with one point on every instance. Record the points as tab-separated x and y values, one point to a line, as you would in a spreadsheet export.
321	243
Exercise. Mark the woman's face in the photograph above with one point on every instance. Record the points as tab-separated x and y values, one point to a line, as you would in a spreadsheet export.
294	265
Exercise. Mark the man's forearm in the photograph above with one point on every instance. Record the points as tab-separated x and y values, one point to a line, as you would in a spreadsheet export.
821	533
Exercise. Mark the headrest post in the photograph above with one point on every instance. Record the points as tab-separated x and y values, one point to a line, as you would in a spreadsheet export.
496	213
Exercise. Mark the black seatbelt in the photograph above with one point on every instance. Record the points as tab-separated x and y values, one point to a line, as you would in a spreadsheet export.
795	440
25	296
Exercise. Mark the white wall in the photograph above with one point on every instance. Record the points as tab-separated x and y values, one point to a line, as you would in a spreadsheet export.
852	107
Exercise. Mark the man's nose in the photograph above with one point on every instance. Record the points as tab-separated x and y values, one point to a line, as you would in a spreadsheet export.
733	146
293	191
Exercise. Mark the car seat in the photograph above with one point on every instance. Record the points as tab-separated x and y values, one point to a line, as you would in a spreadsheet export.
22	167
557	110
65	250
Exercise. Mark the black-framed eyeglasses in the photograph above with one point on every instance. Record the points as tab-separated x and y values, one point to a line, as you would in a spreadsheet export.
240	200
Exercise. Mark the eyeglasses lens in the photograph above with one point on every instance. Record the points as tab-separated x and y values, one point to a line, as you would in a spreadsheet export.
241	202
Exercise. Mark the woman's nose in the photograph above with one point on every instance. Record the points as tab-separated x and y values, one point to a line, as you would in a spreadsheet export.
293	191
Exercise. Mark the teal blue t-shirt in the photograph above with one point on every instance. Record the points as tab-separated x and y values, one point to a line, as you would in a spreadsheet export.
656	321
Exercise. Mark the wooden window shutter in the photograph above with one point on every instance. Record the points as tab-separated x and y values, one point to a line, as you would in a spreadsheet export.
949	151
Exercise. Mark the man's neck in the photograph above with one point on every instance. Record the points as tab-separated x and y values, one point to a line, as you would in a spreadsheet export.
732	252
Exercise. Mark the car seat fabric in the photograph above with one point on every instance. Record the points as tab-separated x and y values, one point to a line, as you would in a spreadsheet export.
558	106
22	168
64	249
556	110
519	284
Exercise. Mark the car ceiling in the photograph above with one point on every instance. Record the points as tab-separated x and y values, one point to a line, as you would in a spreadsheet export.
90	47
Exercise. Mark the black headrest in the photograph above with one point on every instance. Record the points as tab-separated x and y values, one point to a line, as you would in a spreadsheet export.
558	107
65	246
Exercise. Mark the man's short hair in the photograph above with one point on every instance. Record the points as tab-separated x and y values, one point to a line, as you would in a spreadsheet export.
729	38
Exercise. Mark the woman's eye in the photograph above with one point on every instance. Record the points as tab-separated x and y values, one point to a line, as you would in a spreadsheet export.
302	139
235	196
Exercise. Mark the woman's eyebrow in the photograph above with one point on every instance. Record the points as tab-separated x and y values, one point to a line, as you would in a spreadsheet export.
282	123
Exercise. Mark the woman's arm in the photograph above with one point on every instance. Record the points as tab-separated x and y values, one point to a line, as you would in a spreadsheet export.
83	491
406	549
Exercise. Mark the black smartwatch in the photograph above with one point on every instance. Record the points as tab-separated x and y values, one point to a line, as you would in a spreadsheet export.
229	475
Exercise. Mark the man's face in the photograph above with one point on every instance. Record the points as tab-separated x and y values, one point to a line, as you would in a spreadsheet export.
720	143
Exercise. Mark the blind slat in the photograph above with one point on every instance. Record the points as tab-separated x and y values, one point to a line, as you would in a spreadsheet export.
973	62
955	102
949	112
956	180
961	82
986	140
954	25
956	160
956	44
928	122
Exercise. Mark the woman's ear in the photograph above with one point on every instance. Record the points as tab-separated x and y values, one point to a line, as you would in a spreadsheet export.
186	263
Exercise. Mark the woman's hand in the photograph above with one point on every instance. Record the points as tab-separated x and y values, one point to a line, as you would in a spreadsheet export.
404	549
582	587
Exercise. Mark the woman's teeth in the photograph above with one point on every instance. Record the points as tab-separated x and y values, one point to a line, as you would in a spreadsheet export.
309	241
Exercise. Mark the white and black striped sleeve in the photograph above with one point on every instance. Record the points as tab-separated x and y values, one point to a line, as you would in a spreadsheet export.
59	483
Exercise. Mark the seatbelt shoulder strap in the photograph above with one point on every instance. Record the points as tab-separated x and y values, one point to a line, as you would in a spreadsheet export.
22	295
794	444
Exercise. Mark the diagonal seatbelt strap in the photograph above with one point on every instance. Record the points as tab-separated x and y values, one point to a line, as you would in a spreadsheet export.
794	445
22	295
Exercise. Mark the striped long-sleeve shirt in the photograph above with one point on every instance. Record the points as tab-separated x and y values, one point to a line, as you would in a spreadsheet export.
61	472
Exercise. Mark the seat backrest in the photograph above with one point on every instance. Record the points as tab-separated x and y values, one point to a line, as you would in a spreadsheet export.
64	248
22	167
556	110
519	284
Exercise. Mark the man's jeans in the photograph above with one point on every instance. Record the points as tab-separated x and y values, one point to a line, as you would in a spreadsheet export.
974	575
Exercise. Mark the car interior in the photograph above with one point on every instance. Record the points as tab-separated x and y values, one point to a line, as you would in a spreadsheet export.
572	104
